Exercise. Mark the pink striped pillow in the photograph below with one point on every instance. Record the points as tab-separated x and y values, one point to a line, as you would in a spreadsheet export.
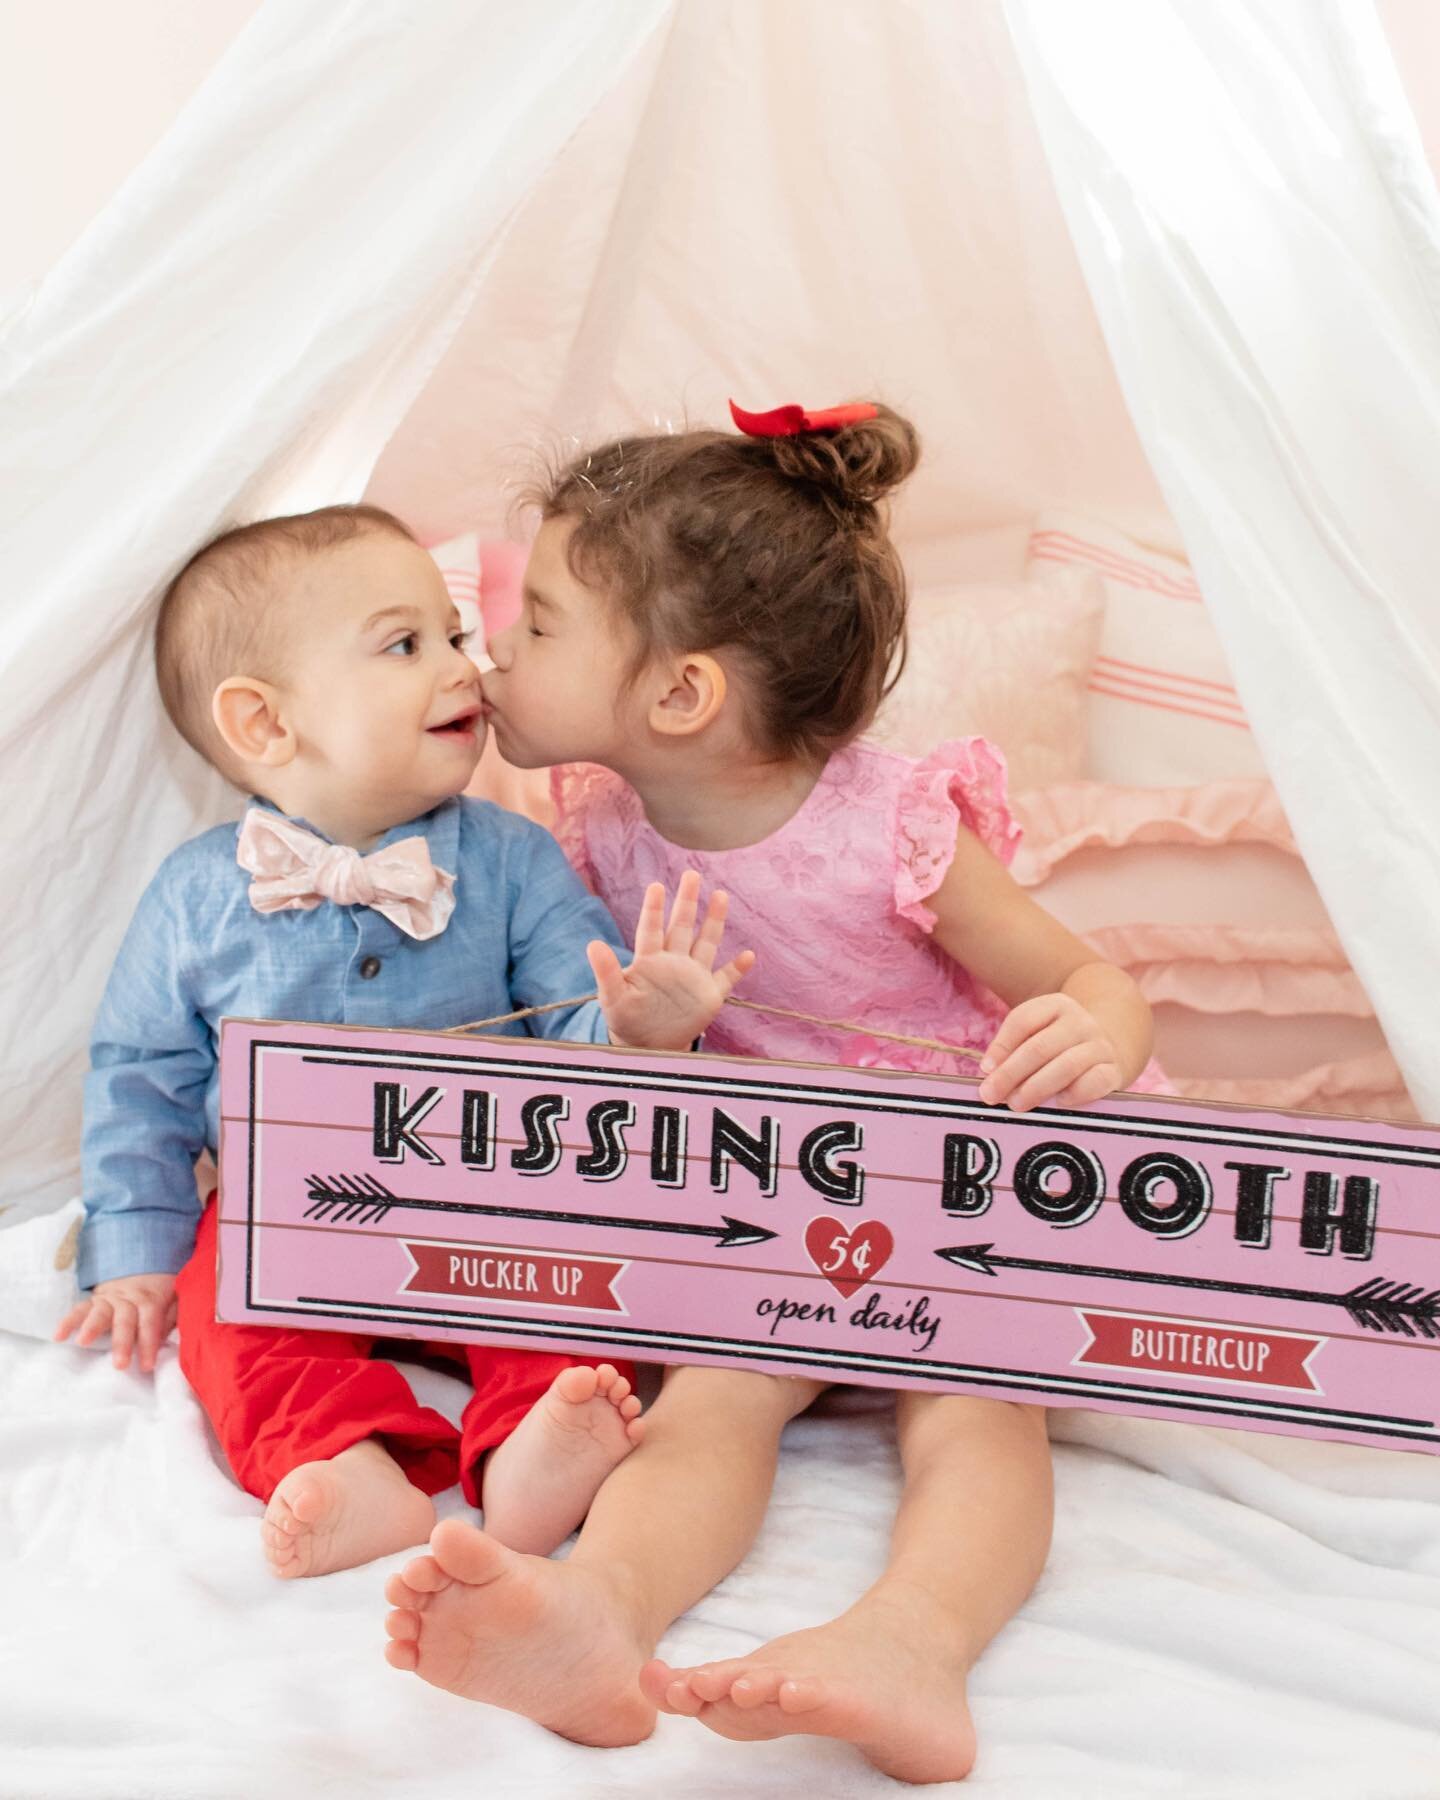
484	577
459	563
1163	710
1201	895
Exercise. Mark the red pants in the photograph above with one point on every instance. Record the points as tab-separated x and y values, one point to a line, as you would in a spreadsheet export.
279	1398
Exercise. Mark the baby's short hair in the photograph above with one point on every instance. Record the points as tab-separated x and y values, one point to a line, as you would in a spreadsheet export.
220	615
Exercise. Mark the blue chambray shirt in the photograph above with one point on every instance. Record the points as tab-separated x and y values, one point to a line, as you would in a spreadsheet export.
197	952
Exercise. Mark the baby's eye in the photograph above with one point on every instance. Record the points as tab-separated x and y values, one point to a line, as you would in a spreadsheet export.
405	646
462	640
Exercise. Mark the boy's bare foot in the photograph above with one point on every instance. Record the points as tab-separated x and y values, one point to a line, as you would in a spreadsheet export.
871	1677
539	1483
545	1639
337	1514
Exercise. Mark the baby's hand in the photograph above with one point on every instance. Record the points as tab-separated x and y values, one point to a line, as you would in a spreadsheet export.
131	1307
1049	1048
672	989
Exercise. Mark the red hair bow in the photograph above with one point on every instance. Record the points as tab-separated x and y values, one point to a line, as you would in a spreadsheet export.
790	421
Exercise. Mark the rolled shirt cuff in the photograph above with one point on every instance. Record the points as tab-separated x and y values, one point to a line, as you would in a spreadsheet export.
135	1242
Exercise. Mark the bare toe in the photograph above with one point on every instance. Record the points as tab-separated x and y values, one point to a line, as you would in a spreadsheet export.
402	1656
757	1687
713	1681
802	1696
577	1385
461	1553
422	1574
654	1679
403	1625
681	1698
306	1503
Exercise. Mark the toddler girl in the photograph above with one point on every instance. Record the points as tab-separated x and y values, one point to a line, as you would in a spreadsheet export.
713	620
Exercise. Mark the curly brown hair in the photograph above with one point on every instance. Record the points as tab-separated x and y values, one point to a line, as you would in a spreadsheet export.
771	552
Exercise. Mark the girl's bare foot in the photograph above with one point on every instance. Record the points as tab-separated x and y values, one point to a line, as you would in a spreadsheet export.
338	1514
873	1677
545	1639
539	1483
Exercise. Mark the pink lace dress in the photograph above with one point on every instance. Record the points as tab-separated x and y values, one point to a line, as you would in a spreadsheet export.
834	903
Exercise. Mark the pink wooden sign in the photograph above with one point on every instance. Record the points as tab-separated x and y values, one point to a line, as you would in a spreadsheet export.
1274	1271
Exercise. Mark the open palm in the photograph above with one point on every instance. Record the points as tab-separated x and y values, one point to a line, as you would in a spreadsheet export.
672	990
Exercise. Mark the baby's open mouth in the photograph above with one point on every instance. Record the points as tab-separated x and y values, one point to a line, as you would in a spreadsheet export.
462	725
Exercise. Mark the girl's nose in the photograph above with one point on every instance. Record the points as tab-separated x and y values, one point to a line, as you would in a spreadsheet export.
499	648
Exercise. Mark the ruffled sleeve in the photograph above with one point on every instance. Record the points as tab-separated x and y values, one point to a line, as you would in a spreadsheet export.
960	783
575	788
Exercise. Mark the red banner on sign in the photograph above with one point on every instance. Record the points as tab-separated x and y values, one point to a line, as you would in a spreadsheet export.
1216	1351
531	1277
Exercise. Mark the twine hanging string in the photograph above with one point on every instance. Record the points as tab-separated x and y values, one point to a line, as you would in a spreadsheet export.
780	1012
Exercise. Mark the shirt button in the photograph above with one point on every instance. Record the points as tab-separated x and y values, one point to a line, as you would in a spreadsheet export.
370	968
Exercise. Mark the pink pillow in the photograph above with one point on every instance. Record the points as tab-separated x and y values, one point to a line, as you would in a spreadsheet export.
1006	660
1201	895
459	562
484	578
1163	710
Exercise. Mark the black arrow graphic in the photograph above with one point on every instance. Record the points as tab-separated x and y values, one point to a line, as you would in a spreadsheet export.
1376	1305
349	1199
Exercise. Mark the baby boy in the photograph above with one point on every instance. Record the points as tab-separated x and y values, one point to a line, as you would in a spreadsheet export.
318	662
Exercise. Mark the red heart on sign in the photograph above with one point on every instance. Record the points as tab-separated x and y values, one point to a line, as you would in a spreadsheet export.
848	1259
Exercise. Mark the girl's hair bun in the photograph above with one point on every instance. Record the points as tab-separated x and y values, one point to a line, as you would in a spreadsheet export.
770	550
857	465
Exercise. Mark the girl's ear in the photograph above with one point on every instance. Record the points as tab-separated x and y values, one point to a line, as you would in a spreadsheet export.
693	690
248	716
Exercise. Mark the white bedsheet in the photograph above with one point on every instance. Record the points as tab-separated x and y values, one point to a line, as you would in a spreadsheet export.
1223	1615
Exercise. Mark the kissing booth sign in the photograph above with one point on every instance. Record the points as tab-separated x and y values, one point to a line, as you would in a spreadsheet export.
1278	1272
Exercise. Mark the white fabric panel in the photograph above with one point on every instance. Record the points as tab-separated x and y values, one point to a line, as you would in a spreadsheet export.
1262	237
239	332
799	201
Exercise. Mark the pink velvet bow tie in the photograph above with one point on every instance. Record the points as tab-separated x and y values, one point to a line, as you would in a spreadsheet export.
294	869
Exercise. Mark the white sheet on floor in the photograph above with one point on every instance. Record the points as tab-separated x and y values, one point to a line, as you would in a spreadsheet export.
1224	1615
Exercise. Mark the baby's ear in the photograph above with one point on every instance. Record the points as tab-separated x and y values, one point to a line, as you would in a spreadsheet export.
248	716
692	692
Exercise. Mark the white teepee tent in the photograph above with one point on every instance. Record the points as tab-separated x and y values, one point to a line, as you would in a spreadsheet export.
389	246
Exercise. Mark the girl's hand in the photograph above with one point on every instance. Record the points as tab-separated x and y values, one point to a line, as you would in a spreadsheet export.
130	1308
672	989
1049	1048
